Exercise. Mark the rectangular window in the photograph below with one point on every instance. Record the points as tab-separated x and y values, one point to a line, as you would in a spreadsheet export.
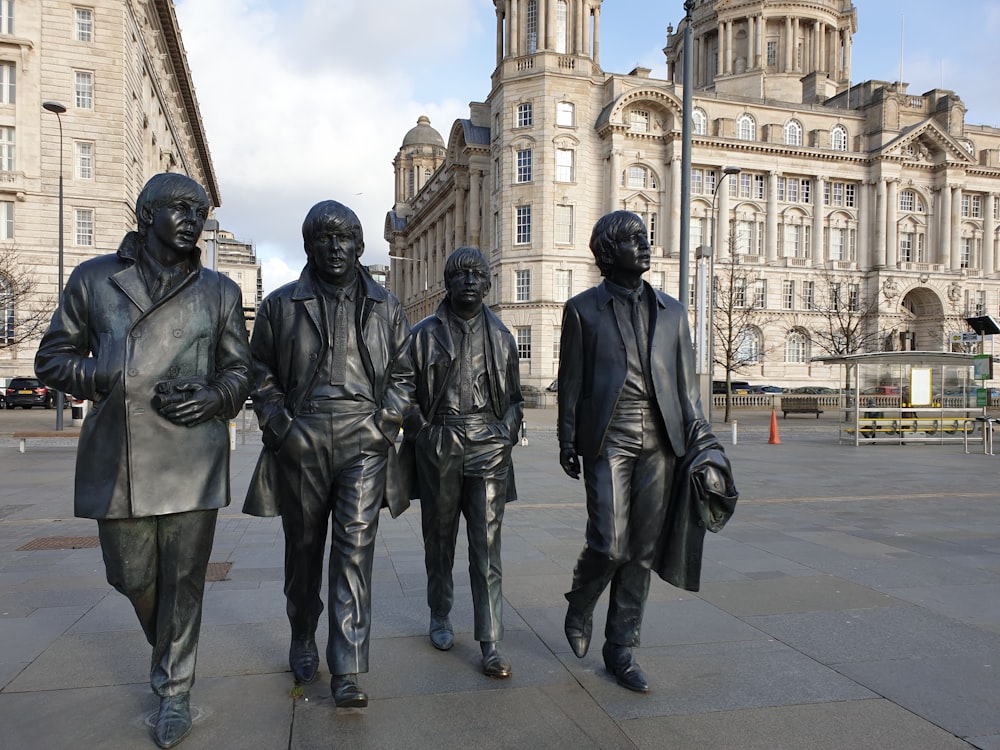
8	162
921	249
791	245
657	280
84	89
8	80
497	231
6	16
980	302
906	247
837	243
907	199
739	293
84	28
772	53
564	224
565	114
525	116
564	165
746	179
853	297
84	226
497	177
524	165
522	286
523	335
697	181
835	297
6	220
84	160
650	221
639	121
744	237
564	284
531	28
965	205
788	294
966	253
556	342
808	295
522	225
760	294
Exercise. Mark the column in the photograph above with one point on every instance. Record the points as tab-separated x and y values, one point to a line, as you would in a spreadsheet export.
787	66
818	244
615	163
721	240
878	254
956	228
865	260
548	38
816	46
761	25
846	71
771	227
891	211
514	28
475	209
729	47
585	22
944	226
751	42
989	237
674	206
500	36
461	189
576	16
597	34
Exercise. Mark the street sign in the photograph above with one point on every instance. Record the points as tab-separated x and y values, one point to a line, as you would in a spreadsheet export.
965	338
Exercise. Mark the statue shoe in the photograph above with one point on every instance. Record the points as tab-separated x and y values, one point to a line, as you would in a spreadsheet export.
495	664
346	693
303	658
174	720
619	662
578	627
442	635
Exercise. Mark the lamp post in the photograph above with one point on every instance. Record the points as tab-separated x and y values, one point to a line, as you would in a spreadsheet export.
58	110
687	75
420	262
706	310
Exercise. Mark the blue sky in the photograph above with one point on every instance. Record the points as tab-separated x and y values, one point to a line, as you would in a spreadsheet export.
305	100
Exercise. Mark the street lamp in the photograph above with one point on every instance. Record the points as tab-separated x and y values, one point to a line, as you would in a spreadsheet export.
705	314
58	110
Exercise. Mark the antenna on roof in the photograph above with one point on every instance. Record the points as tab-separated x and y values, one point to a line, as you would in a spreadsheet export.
900	79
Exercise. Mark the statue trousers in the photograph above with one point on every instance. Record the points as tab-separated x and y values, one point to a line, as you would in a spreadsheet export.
463	463
331	472
159	563
627	492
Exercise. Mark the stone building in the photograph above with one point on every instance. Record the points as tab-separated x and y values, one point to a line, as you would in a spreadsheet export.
237	259
857	217
120	70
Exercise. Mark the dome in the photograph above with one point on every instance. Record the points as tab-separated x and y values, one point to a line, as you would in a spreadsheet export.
423	134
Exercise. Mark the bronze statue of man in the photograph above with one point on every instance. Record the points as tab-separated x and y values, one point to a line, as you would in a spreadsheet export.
628	404
332	381
159	344
463	423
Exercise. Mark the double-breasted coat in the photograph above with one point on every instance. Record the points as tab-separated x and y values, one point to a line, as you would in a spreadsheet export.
109	342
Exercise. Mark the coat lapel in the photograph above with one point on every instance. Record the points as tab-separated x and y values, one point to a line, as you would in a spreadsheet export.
129	280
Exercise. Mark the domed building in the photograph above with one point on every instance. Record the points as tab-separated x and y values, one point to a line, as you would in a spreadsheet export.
845	217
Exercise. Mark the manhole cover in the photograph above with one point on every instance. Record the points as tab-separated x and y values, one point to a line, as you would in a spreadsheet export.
60	542
218	571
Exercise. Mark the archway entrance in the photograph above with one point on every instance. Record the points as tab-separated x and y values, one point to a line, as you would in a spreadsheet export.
923	321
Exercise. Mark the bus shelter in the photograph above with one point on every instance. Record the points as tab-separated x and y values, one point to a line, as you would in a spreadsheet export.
911	398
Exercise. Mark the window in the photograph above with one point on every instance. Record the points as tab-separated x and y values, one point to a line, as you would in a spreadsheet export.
564	224
522	225
6	220
965	253
700	121
497	177
497	237
788	294
794	190
8	162
565	114
8	80
556	342
649	219
853	297
657	280
905	247
531	27
739	293
910	202
808	295
748	346
838	243
638	178
84	226
839	194
838	138
84	29
525	115
793	133
562	26
772	53
835	297
980	303
84	160
744	237
523	335
972	206
522	286
564	165
795	241
760	294
639	121
7	311
6	16
523	173
84	89
746	128
703	181
797	347
564	284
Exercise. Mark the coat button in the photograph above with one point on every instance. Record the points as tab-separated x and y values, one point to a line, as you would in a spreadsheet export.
174	371
133	372
177	333
313	356
136	333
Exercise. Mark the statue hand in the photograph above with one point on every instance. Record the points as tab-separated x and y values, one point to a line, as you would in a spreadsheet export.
570	462
200	404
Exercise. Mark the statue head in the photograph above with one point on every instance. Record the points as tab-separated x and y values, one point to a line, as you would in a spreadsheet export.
620	243
163	189
467	279
333	240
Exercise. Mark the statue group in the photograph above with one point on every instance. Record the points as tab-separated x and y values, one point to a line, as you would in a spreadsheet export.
158	343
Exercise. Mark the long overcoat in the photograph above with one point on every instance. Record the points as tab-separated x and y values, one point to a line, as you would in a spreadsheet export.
110	343
288	345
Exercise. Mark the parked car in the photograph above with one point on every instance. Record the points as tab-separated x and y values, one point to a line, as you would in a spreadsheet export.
739	387
28	392
553	387
768	388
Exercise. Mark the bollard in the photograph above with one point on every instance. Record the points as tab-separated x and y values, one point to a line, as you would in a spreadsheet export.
232	436
735	438
524	433
78	411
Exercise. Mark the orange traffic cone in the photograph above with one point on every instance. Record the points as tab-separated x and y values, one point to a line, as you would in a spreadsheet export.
774	439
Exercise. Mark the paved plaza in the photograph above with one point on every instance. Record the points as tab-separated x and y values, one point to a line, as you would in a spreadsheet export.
853	601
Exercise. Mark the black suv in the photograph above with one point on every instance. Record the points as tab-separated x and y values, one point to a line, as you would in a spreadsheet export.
28	392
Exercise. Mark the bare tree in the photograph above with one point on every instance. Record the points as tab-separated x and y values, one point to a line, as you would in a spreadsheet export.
740	296
25	313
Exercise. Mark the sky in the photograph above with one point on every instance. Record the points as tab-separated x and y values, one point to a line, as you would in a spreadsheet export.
309	100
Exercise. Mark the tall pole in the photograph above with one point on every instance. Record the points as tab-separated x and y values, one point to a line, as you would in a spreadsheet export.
726	171
58	109
688	83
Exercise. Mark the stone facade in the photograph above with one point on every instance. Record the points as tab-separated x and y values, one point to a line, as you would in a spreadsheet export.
120	70
866	205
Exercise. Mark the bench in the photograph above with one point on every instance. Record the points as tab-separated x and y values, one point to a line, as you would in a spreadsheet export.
872	426
800	405
24	437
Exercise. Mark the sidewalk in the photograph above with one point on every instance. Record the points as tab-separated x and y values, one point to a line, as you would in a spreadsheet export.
852	602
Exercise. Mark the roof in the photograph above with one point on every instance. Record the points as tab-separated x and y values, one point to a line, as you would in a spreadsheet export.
423	134
899	358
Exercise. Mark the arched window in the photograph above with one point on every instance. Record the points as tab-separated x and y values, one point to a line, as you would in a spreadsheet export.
746	128
700	121
838	138
793	133
562	26
748	346
565	114
910	202
797	346
637	177
531	27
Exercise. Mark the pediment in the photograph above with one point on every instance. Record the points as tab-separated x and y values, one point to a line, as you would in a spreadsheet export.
926	143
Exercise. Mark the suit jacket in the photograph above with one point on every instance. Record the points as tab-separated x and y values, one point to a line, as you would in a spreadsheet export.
288	345
110	343
433	354
592	369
